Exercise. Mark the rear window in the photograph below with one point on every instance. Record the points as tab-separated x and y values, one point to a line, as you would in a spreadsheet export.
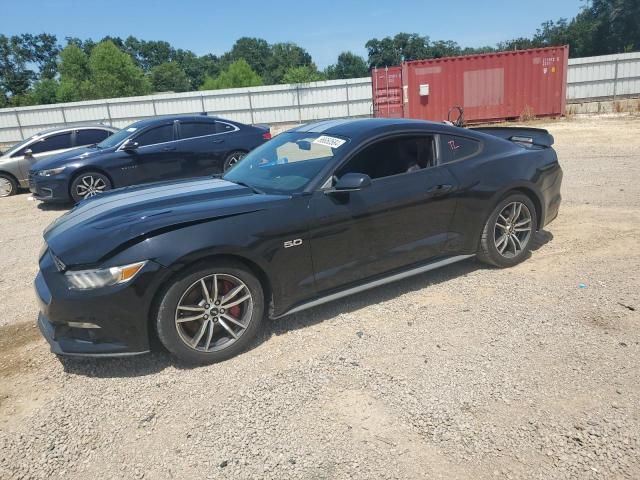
456	148
222	127
197	129
91	136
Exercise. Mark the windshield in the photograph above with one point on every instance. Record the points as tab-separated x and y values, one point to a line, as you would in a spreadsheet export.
287	163
117	137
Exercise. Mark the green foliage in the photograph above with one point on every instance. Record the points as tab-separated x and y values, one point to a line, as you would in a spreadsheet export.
114	73
239	74
349	65
255	51
303	74
285	56
74	74
169	77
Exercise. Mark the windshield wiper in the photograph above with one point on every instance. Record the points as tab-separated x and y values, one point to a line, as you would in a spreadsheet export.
255	190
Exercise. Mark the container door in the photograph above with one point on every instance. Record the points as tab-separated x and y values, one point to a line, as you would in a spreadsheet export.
387	92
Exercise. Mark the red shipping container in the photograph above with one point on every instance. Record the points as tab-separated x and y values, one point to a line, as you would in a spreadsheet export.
492	86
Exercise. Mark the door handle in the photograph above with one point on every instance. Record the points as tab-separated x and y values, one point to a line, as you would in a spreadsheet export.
439	190
168	149
217	141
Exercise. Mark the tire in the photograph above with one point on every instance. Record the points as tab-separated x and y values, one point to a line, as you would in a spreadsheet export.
233	158
8	185
89	184
506	241
198	330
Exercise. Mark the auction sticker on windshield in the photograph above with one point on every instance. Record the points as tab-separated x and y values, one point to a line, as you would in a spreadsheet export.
328	141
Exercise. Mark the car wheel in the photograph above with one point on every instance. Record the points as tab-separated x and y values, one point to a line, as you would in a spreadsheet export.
508	233
89	184
8	185
233	158
209	314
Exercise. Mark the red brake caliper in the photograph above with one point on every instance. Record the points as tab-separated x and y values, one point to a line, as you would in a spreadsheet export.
227	286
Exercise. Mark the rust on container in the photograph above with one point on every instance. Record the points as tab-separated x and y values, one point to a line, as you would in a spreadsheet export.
493	86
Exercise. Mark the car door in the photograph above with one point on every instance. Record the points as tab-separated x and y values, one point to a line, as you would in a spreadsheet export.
42	148
401	219
200	147
154	159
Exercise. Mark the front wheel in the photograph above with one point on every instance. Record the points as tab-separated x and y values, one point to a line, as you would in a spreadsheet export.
233	158
507	235
89	184
210	313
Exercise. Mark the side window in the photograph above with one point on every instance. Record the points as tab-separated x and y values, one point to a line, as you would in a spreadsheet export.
54	142
90	136
161	134
222	127
392	157
196	129
454	148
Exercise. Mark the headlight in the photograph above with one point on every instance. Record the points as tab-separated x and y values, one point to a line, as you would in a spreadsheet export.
102	277
51	172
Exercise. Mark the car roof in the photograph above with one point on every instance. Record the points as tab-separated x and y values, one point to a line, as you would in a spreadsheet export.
73	127
164	118
357	127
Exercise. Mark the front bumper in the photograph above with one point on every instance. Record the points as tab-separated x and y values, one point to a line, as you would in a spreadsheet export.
49	189
110	321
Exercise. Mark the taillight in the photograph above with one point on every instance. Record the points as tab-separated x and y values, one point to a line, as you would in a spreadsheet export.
266	135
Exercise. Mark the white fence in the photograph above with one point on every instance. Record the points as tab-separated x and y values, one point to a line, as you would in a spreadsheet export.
608	76
270	104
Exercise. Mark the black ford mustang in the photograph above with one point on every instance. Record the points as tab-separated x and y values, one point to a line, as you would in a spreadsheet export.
322	211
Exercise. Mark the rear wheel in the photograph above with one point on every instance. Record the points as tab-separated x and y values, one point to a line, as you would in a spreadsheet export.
8	185
89	184
508	233
233	158
211	313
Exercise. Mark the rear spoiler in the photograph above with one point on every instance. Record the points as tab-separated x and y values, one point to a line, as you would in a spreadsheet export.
522	135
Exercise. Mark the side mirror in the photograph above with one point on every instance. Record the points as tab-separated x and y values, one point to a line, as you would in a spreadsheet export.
351	182
304	145
129	145
28	152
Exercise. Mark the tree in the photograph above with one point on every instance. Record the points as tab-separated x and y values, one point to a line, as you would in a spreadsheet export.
303	74
74	74
44	91
256	52
349	65
169	77
114	73
239	74
285	56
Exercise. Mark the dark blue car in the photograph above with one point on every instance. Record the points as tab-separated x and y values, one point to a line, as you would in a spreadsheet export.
151	150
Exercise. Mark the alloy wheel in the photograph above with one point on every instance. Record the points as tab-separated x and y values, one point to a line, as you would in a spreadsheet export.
214	312
235	158
6	187
513	229
90	186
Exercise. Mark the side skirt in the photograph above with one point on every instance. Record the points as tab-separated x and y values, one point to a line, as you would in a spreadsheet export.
376	283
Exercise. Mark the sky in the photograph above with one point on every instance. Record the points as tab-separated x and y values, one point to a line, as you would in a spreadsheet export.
324	28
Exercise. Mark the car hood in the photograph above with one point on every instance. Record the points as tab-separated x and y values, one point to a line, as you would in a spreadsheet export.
90	233
68	157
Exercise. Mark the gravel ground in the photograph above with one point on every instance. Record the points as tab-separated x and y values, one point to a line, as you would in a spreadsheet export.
466	372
